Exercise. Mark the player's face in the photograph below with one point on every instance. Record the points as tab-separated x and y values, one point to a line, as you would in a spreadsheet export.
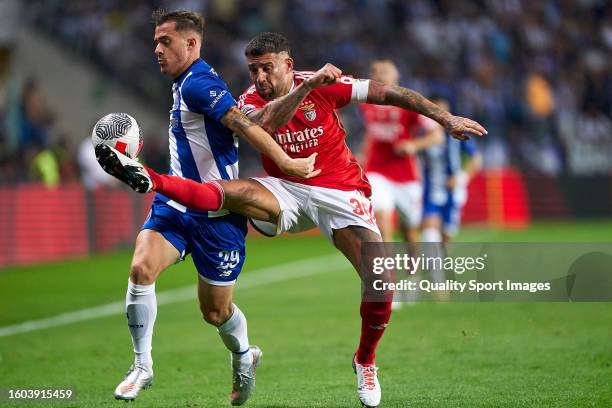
271	74
173	49
384	72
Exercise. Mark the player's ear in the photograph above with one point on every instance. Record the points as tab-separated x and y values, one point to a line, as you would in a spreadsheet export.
289	62
192	42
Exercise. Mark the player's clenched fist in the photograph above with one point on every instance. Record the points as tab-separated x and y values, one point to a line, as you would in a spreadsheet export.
328	75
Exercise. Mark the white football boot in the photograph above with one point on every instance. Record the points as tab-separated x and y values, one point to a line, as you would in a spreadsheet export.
368	387
124	168
243	378
137	378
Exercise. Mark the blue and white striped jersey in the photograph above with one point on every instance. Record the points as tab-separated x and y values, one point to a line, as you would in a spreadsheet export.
440	162
201	148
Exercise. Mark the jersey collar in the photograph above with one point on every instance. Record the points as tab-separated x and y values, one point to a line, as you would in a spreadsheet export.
186	71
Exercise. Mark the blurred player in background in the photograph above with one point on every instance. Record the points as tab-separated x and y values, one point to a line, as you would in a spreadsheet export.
392	164
299	107
446	177
202	148
391	161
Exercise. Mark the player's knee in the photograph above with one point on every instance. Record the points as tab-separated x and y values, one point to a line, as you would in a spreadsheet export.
141	273
215	316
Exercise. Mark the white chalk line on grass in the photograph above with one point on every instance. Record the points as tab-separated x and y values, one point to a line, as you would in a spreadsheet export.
279	273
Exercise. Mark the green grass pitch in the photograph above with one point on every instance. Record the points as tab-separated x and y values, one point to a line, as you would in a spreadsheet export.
305	318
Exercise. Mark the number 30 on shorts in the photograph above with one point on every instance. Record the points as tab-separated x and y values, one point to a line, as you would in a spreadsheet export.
364	211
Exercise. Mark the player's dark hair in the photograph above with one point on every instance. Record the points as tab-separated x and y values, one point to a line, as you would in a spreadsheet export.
267	43
184	20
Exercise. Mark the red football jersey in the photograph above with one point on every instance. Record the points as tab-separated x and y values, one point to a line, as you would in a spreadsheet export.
384	127
316	127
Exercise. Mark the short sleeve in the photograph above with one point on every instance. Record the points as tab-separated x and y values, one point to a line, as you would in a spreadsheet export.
207	95
249	101
346	90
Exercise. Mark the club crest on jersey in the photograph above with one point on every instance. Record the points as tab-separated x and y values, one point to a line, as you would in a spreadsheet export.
309	112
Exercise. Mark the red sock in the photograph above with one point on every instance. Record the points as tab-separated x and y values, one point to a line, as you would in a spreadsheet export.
374	319
207	196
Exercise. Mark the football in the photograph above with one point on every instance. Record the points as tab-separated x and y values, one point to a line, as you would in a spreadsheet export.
119	131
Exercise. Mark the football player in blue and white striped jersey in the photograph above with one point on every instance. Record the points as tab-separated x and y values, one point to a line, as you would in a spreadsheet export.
203	121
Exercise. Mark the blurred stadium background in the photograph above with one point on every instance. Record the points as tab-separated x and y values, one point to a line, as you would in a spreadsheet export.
536	74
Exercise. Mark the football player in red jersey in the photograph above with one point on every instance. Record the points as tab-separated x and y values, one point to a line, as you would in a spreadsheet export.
391	163
299	109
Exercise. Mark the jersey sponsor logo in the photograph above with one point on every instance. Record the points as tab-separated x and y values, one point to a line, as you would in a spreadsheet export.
217	98
298	141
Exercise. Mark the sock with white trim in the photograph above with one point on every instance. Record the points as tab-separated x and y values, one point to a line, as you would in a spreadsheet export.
141	310
234	335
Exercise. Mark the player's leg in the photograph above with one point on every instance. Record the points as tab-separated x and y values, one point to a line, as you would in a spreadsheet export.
250	198
432	228
409	201
383	203
152	255
451	220
347	219
433	242
451	217
218	310
242	196
218	251
375	315
246	197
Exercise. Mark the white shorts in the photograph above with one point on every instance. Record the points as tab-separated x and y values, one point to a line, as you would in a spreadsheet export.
305	207
407	197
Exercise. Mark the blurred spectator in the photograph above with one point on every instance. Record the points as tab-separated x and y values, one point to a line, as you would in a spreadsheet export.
35	117
65	155
43	165
523	68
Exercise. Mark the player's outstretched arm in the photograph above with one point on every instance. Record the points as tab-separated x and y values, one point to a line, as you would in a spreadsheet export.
459	127
240	124
279	112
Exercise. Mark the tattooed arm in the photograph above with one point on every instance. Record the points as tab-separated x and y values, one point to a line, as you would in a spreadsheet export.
237	122
459	127
279	112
